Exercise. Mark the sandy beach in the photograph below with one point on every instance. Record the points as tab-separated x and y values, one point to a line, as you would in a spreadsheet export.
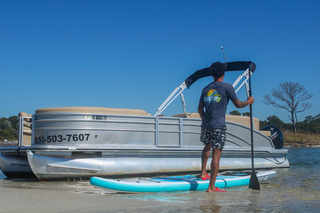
31	200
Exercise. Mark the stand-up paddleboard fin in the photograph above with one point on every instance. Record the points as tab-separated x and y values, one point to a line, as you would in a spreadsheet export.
254	182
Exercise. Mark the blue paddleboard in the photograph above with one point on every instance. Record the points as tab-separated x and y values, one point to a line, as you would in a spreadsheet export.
178	183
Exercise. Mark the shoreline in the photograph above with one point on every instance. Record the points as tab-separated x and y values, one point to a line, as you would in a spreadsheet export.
292	144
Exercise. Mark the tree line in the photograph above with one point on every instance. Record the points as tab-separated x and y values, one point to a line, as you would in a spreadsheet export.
311	124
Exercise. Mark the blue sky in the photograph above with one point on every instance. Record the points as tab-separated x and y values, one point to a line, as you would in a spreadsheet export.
133	54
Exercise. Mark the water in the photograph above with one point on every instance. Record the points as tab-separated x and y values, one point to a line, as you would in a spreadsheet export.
297	189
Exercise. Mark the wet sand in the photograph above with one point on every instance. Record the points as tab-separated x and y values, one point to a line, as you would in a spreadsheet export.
32	200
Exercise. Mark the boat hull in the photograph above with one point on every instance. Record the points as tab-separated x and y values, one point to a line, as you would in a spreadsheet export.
46	165
13	165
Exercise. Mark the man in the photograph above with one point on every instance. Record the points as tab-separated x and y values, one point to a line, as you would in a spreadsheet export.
212	110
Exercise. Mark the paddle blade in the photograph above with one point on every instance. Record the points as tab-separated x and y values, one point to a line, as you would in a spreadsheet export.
254	182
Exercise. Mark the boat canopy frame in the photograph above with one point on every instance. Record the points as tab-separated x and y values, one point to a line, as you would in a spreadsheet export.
247	66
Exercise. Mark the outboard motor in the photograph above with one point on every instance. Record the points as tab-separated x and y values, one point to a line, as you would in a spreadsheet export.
276	136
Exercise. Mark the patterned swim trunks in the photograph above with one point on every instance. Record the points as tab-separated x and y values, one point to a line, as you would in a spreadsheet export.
216	137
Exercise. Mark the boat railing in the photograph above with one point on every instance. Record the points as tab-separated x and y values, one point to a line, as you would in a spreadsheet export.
25	129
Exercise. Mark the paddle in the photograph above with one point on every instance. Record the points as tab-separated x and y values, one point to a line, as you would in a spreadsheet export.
254	182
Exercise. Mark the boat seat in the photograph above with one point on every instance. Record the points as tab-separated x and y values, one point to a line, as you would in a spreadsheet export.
244	120
187	115
97	110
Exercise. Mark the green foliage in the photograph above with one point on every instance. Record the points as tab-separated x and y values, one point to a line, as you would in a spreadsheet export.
272	120
8	128
14	120
311	124
235	112
4	123
246	114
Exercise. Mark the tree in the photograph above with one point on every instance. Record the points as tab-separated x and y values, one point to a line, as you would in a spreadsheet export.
311	124
235	112
8	128
14	120
246	114
292	97
272	120
4	123
275	121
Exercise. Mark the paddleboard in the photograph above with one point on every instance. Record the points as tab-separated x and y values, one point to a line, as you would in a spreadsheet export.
178	183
